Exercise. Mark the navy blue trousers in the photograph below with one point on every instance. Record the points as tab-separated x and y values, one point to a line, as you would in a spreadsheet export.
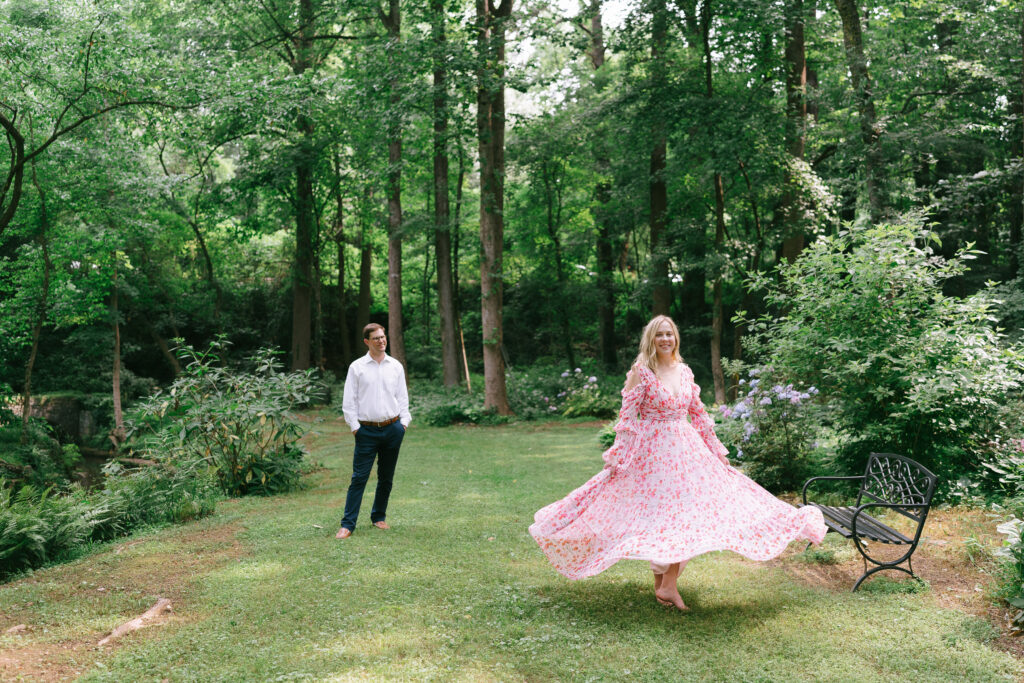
373	443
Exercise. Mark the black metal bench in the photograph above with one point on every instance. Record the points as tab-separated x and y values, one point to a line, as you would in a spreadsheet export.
890	482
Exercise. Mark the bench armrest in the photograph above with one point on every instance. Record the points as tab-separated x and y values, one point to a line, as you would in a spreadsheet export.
808	483
861	508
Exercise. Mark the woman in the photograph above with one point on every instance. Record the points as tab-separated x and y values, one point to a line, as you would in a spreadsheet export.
667	492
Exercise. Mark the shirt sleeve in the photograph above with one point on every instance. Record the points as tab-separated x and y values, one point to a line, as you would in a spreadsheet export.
704	424
402	396
619	455
349	397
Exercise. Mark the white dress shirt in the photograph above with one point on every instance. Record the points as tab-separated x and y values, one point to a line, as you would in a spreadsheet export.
375	392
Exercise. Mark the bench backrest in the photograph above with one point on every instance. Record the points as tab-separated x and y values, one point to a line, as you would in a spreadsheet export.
898	480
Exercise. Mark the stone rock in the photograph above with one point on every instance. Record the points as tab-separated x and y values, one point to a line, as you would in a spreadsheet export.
63	412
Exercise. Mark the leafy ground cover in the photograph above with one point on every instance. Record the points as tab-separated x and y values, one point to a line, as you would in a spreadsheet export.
457	590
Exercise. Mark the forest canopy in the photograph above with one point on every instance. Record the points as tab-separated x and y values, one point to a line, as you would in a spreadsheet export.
518	184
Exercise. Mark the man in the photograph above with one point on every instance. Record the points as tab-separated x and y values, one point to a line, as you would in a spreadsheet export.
376	407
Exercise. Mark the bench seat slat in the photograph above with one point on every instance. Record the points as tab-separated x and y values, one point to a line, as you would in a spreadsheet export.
867	526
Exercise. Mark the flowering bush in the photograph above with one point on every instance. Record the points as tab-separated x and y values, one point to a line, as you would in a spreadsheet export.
540	391
773	426
908	369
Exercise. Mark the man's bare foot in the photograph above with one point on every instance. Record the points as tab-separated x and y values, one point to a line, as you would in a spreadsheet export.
381	524
343	533
670	598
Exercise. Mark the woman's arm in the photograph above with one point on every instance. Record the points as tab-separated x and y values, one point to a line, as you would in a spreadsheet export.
705	425
632	396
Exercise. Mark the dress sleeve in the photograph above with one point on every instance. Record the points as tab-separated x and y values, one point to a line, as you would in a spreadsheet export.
626	428
703	422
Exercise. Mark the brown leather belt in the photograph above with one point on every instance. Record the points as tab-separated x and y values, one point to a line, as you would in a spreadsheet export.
385	423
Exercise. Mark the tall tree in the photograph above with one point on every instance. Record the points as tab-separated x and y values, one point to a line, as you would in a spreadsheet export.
491	23
442	218
718	315
791	210
392	20
857	63
658	187
602	196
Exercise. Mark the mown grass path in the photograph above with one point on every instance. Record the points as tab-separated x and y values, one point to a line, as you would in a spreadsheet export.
456	591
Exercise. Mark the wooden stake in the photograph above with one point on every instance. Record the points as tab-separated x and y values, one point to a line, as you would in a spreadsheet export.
465	364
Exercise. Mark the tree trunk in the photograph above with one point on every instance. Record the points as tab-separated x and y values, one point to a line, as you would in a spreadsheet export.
491	132
658	188
853	41
792	208
118	435
1017	210
602	198
161	344
363	311
41	309
318	310
396	334
456	235
302	273
442	219
717	315
339	243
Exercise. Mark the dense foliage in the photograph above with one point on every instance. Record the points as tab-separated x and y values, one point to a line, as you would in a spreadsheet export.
774	429
37	526
238	422
907	368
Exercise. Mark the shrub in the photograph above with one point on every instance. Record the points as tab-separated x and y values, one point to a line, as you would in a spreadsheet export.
862	316
545	391
241	423
773	426
1011	555
37	527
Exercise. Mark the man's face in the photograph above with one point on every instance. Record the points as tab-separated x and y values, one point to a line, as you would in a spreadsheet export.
378	341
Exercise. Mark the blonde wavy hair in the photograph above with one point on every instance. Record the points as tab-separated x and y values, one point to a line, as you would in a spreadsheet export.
648	354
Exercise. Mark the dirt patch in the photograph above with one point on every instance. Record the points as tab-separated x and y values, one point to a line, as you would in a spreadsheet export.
119	575
954	557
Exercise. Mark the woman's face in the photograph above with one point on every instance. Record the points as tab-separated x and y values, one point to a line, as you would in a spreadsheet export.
664	339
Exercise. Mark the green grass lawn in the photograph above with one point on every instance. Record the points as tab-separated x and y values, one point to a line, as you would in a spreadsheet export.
458	590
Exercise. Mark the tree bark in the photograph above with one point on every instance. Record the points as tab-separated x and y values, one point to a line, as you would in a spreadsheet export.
602	198
1017	210
657	187
792	208
442	218
118	435
853	41
41	309
302	272
490	27
392	21
363	310
339	242
717	315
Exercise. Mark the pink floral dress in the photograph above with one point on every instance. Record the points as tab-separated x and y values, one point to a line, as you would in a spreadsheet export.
666	494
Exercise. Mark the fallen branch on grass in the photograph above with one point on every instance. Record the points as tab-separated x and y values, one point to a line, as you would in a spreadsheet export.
162	605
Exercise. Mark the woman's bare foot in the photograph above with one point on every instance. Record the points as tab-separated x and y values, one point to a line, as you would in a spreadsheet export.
670	598
665	591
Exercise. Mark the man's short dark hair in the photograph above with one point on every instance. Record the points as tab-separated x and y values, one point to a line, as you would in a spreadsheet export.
368	330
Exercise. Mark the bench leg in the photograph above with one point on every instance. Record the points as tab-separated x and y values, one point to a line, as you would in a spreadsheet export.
878	569
882	565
